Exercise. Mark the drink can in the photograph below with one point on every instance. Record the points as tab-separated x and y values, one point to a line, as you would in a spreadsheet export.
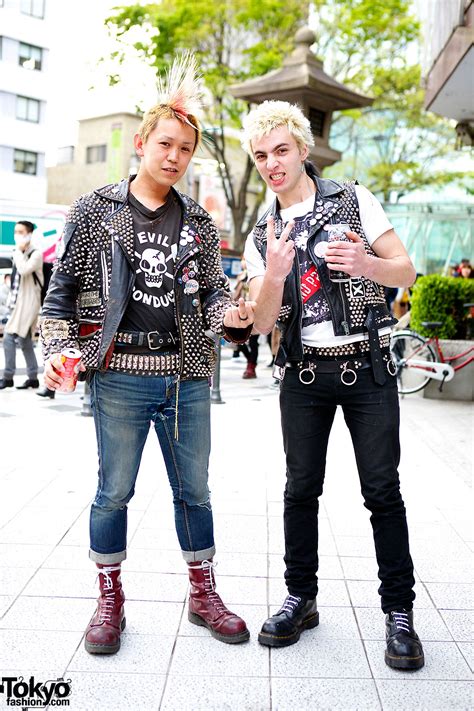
337	233
70	358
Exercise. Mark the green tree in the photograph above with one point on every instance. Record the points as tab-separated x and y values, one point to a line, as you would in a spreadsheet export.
393	146
233	40
365	44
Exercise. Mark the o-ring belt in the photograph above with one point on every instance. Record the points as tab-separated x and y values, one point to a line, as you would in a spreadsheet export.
347	368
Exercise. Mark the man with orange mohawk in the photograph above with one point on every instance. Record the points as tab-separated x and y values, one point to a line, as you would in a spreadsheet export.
137	286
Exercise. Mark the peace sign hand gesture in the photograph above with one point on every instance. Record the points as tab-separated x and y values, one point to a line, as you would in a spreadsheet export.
280	251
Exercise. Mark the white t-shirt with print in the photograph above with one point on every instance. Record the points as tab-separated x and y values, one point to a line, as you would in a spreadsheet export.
317	327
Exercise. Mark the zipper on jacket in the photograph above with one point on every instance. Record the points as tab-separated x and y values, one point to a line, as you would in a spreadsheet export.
344	324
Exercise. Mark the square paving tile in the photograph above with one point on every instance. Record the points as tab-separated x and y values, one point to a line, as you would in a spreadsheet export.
460	624
154	618
13	580
123	692
214	693
328	694
452	596
246	591
434	695
52	614
445	570
139	654
22	556
316	657
467	650
204	657
29	650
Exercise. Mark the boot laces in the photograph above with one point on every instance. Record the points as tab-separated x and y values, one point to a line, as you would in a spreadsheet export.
210	583
401	621
107	599
290	604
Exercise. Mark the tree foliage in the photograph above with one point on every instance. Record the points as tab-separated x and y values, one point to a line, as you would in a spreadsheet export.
370	46
393	146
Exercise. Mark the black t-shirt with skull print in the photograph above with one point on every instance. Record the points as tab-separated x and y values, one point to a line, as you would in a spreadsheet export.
151	307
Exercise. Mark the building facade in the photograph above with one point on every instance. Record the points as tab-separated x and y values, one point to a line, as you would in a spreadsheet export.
448	61
24	50
103	154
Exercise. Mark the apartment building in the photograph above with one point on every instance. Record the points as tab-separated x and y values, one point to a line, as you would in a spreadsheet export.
24	50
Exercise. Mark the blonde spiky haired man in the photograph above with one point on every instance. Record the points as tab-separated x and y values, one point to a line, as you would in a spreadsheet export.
137	286
317	264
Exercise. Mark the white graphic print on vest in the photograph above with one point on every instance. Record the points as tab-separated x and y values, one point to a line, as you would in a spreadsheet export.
315	306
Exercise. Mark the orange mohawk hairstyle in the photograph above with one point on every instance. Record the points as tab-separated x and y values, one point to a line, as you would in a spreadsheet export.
179	96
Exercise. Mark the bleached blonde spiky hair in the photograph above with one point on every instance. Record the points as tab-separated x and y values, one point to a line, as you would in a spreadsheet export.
273	114
179	96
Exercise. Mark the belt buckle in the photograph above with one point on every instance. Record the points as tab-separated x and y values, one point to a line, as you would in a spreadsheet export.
150	343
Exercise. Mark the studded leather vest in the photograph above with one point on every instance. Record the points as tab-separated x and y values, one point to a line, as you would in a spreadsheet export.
357	305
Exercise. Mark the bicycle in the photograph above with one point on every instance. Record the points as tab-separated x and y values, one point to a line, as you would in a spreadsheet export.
418	359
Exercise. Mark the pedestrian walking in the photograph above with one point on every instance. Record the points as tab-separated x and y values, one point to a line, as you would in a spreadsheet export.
136	288
24	304
328	299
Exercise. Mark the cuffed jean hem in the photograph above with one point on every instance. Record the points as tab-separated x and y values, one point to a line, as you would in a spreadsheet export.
107	558
197	556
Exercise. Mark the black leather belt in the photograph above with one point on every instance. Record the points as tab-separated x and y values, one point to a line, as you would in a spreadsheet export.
347	367
151	341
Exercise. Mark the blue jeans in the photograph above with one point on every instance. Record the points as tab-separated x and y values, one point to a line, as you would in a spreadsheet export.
371	413
123	407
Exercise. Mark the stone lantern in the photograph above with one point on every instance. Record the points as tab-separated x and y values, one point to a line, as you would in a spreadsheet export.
301	80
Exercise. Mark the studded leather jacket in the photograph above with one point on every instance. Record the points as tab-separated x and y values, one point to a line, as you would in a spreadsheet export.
357	305
94	276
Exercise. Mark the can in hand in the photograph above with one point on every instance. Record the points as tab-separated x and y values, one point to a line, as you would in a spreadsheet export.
337	233
70	358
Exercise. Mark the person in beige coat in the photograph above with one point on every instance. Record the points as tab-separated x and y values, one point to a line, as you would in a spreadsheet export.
24	304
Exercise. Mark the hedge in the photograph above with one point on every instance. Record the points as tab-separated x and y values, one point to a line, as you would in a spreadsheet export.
440	298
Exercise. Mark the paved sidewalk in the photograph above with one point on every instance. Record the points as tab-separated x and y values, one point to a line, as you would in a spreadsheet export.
47	584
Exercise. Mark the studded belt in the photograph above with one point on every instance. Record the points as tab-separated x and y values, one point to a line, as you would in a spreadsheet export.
151	341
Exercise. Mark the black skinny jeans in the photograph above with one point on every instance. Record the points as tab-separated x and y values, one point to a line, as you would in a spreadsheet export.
371	413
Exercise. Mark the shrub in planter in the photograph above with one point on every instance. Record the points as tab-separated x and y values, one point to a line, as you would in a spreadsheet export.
440	298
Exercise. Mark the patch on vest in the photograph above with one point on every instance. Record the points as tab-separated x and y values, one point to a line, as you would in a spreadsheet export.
54	329
89	298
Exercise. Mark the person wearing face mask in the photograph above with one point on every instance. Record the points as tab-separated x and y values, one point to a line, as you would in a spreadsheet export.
24	303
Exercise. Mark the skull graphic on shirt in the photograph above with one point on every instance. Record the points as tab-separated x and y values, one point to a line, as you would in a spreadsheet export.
153	265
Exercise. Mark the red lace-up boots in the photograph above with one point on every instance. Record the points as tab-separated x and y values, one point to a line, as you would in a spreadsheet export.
103	631
207	609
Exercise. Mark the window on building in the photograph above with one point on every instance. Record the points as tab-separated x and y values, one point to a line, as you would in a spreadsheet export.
316	119
30	56
32	7
25	162
27	109
65	155
96	154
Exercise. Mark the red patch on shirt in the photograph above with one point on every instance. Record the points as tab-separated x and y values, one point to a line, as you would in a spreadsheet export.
310	284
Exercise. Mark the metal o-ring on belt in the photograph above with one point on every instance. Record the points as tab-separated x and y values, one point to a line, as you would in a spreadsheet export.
346	368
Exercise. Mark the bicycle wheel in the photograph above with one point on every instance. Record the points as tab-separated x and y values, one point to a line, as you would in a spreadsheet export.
407	346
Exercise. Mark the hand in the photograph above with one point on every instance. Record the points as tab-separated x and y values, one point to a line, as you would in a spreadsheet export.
280	252
53	369
349	257
240	316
